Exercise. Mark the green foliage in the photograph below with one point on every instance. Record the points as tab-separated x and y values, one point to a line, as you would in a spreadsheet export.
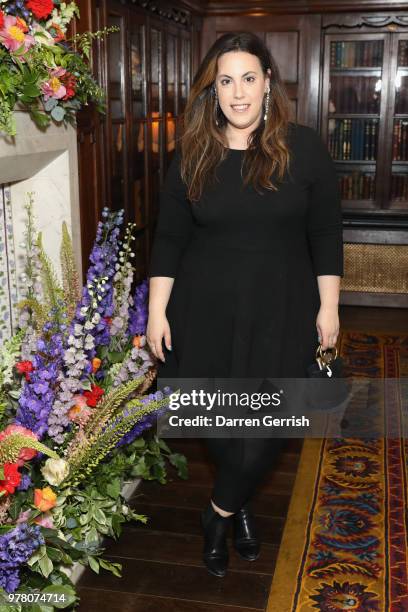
53	293
9	354
11	446
70	278
24	72
99	436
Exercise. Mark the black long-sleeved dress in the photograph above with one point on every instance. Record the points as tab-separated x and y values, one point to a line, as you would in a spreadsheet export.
245	296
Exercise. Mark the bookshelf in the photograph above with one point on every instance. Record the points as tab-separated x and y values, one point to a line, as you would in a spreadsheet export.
364	121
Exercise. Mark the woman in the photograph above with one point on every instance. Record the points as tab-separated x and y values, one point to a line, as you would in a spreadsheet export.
247	258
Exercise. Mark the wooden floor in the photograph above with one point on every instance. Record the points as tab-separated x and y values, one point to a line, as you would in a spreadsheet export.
162	567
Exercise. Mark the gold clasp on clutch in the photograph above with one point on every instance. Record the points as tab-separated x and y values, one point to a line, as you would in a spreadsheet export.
324	358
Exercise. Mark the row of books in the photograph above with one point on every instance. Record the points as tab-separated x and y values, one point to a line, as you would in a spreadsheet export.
399	187
361	186
353	139
353	94
357	186
400	140
403	53
353	54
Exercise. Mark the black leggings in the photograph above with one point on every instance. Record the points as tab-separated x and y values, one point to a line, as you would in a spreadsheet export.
242	463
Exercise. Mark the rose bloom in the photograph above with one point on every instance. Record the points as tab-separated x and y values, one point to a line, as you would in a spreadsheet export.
1	19
25	453
44	499
12	33
40	8
96	364
94	395
25	367
12	478
55	471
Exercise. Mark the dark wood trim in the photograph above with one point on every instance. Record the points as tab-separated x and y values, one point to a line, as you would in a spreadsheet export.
359	298
375	236
165	10
291	7
389	21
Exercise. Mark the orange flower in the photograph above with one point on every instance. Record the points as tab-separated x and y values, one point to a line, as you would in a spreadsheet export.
74	411
137	341
44	499
20	23
96	364
56	32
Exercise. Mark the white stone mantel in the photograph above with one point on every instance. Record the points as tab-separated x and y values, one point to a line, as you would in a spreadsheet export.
44	162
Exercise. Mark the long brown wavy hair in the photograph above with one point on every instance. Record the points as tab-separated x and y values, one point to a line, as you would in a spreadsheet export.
203	143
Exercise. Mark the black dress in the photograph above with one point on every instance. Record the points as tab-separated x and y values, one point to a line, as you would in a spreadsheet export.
245	296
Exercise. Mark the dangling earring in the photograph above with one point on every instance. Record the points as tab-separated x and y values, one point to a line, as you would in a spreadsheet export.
216	106
266	105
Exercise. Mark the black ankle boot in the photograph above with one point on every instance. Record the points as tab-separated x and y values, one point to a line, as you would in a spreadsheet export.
215	552
245	539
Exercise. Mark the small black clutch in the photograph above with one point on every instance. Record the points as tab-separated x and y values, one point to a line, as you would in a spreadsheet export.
328	389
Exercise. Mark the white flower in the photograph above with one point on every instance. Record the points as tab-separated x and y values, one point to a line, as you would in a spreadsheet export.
42	36
55	471
78	329
96	318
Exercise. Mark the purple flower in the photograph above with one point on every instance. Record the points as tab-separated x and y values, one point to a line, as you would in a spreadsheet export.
138	314
90	325
25	482
16	547
97	294
38	394
146	421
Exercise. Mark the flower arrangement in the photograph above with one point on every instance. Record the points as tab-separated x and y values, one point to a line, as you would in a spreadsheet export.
40	69
74	403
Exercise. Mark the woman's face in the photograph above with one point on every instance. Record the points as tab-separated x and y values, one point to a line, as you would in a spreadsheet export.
241	86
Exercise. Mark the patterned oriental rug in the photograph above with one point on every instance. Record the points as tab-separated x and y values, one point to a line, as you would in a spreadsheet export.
345	543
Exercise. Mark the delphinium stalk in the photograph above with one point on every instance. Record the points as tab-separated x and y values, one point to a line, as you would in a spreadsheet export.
90	326
122	283
138	314
139	358
146	421
32	311
39	392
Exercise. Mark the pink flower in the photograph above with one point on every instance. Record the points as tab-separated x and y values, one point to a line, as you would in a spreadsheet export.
45	520
79	412
13	34
24	516
53	88
25	453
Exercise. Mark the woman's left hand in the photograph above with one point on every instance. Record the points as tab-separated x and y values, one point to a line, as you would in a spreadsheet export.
327	324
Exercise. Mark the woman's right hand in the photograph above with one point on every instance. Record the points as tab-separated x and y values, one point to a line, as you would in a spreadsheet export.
158	328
